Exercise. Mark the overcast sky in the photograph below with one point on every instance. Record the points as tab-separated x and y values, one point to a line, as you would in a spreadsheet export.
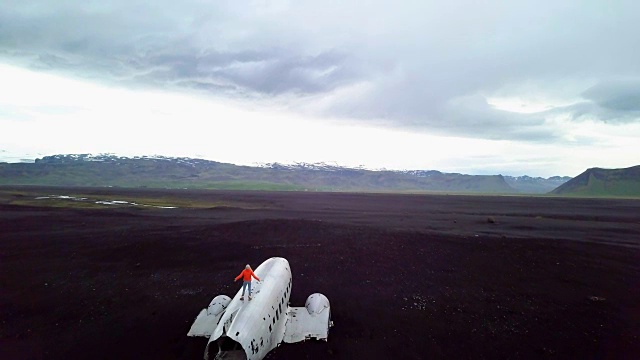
482	87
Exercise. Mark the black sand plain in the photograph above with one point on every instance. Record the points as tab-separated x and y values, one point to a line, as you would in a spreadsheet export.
408	276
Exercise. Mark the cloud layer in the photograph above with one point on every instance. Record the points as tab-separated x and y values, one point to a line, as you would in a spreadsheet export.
425	66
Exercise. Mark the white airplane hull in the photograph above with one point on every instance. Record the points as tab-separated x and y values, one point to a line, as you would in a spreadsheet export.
248	330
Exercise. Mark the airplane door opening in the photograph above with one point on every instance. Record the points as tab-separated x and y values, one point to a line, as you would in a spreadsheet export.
227	349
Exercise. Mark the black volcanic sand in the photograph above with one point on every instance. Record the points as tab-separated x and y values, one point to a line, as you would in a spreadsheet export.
408	276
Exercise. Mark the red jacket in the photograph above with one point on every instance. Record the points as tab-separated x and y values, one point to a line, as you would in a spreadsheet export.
246	275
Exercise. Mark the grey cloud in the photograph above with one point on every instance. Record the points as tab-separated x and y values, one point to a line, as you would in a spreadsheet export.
620	95
273	71
115	44
593	111
439	106
269	72
426	65
609	101
473	116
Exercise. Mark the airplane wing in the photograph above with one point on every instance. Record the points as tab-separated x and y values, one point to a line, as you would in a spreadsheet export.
208	318
311	321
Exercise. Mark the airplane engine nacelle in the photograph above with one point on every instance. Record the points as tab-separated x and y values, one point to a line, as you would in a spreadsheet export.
218	305
316	303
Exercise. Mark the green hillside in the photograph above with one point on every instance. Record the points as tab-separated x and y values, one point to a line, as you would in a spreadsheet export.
159	172
603	183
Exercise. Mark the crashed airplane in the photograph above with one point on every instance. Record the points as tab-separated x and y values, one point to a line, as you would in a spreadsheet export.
248	330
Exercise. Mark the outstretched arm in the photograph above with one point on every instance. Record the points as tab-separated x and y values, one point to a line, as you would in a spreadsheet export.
238	277
254	275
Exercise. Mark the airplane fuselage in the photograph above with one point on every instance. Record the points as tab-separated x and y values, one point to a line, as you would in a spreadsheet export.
257	325
249	329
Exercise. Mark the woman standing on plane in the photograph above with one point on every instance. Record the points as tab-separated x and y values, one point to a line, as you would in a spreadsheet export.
246	275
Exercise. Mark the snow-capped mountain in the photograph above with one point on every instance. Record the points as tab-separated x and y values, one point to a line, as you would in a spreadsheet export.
184	172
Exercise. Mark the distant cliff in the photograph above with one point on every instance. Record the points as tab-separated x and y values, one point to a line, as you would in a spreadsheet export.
166	172
603	182
535	185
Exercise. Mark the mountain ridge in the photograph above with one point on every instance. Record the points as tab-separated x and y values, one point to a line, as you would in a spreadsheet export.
179	172
536	185
163	171
601	182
